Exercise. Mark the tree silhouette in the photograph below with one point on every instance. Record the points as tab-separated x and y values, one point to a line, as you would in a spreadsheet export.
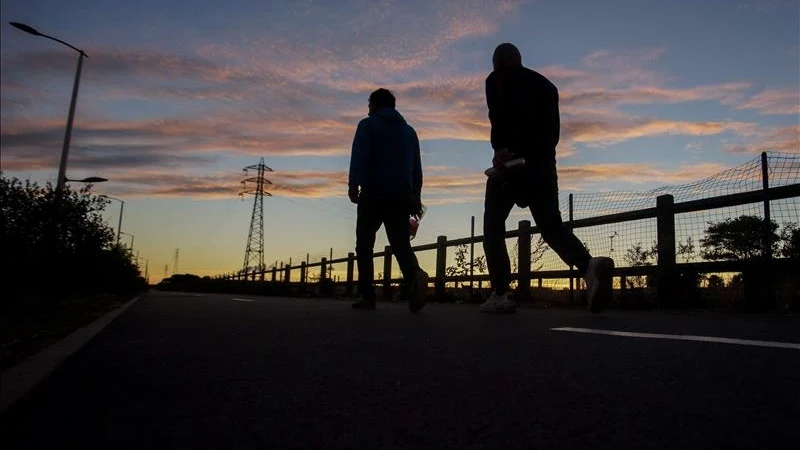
738	239
790	241
638	256
538	250
461	264
715	282
687	250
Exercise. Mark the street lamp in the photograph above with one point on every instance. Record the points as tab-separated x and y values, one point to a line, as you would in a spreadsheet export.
62	168
121	208
88	180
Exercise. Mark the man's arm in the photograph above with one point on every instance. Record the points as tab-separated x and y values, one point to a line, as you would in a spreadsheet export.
416	176
497	115
416	170
358	161
551	118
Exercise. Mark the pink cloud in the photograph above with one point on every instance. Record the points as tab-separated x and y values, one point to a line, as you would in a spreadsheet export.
774	101
777	139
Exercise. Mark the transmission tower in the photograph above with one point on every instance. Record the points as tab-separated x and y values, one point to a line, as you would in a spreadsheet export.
254	253
175	264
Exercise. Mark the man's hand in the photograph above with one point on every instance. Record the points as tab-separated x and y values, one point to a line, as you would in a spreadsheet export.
501	157
352	192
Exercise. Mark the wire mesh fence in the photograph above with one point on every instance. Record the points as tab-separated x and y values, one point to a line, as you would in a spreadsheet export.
633	242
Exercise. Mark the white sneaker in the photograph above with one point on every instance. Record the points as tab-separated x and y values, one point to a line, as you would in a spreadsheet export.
499	304
599	287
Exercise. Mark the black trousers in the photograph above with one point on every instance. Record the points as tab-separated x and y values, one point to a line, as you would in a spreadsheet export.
537	186
392	213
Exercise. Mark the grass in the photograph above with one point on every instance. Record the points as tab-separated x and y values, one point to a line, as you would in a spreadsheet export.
25	333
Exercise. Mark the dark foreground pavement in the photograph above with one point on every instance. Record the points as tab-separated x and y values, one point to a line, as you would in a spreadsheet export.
210	372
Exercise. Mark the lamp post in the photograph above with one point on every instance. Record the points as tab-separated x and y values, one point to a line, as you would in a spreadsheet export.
121	209
62	168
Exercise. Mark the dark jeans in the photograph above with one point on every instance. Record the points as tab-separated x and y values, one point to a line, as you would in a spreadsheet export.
537	186
393	213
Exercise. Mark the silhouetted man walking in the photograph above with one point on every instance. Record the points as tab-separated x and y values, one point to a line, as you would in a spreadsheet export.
386	183
525	123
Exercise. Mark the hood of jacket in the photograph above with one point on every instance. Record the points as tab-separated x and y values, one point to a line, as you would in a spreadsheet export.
389	114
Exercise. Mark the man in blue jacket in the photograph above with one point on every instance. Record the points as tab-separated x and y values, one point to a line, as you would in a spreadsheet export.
525	123
386	183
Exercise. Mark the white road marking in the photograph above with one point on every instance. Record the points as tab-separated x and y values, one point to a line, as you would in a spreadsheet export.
682	337
242	300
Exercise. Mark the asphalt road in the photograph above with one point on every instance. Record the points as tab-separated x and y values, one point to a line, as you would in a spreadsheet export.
191	371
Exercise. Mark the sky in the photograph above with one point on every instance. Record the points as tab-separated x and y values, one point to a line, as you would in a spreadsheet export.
178	97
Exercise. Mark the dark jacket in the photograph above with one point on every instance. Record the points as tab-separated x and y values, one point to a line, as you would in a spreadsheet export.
385	158
523	112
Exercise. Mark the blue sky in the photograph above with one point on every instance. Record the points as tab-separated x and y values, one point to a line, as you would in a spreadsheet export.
177	97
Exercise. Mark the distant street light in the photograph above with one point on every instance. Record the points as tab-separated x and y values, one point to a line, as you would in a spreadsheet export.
62	168
121	209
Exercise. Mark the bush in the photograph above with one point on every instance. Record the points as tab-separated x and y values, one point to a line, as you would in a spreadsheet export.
60	249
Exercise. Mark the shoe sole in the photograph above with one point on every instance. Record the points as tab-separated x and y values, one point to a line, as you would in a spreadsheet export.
419	296
602	294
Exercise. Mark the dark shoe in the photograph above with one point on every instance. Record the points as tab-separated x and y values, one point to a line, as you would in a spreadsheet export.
419	291
364	304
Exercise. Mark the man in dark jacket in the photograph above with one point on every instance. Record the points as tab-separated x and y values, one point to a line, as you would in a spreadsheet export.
386	183
525	123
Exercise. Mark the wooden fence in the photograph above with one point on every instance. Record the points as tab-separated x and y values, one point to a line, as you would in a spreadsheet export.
666	270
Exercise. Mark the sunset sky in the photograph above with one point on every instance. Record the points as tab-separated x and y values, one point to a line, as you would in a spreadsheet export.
177	97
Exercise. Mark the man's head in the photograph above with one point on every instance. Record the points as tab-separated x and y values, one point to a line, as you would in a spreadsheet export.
506	55
381	98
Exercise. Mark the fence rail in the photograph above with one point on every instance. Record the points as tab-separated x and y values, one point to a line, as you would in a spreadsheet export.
666	270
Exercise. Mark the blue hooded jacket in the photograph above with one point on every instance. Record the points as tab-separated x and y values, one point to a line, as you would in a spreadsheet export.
385	158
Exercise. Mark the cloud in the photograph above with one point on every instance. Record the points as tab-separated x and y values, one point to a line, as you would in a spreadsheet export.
784	139
774	101
299	91
648	94
602	132
767	5
443	185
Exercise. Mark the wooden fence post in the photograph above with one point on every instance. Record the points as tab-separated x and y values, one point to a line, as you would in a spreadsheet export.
571	268
665	244
441	266
303	270
524	260
351	258
387	273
